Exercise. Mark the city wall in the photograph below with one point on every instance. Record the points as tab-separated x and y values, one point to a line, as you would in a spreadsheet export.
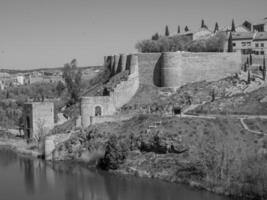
174	69
121	95
171	69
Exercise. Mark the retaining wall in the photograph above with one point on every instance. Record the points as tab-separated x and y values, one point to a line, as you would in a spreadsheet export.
111	118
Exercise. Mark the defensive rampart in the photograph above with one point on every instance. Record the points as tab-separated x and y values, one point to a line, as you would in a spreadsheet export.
97	106
174	69
156	70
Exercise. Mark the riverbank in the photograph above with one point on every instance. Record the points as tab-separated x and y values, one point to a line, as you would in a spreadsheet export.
18	145
217	155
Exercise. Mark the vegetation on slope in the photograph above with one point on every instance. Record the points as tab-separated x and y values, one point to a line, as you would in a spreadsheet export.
215	154
183	43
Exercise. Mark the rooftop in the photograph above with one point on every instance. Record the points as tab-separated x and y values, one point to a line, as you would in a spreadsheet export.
242	35
260	36
261	21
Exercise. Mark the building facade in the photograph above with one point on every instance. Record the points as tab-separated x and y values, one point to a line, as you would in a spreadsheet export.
248	42
38	119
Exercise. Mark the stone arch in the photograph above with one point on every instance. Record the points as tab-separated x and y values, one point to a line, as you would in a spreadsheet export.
98	110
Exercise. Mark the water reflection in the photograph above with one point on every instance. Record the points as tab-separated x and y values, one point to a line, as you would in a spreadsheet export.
40	180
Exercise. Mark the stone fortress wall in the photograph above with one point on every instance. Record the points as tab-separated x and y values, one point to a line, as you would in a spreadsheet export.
170	69
121	95
174	69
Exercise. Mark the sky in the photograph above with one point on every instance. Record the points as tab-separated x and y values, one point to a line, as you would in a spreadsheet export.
50	33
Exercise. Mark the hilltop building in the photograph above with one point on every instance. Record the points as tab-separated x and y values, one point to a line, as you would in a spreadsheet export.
202	33
260	25
249	42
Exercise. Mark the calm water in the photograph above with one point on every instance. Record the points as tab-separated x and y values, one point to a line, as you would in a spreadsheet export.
28	179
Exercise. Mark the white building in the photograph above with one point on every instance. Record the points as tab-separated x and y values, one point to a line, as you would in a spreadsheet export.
202	33
249	42
259	43
242	41
20	80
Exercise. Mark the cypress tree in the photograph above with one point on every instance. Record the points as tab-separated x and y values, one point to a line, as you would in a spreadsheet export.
216	27
233	26
264	69
230	43
178	30
248	81
167	33
246	64
202	23
186	29
250	59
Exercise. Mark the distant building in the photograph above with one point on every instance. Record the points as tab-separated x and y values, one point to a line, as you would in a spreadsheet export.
260	25
247	25
20	80
202	33
259	43
2	85
242	41
38	118
249	42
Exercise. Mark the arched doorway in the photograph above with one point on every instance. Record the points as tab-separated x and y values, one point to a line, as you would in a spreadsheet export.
98	111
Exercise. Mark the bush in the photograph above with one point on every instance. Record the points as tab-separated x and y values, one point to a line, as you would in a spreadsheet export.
183	43
115	154
212	44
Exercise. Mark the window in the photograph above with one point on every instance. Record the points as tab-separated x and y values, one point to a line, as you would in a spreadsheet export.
249	43
98	111
262	52
234	44
257	45
262	44
243	44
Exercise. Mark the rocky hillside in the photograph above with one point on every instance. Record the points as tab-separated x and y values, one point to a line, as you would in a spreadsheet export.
215	154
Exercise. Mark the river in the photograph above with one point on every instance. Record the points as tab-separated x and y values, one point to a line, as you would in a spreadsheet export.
23	178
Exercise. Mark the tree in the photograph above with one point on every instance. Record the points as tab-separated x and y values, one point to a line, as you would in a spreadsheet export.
178	30
203	24
167	33
186	29
155	37
230	43
264	69
213	95
233	26
60	88
115	154
216	27
72	76
248	81
250	59
246	64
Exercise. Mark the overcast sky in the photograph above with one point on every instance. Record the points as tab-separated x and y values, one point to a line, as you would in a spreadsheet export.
49	33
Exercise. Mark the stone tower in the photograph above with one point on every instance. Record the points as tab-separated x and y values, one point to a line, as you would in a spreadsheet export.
38	118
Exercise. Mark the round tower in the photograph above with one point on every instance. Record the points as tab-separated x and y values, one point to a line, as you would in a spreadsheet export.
116	64
170	69
122	63
132	63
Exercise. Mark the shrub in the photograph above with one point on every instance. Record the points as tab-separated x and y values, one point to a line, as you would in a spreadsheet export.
115	154
183	43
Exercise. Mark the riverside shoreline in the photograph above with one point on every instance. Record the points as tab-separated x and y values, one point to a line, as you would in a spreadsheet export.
20	147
